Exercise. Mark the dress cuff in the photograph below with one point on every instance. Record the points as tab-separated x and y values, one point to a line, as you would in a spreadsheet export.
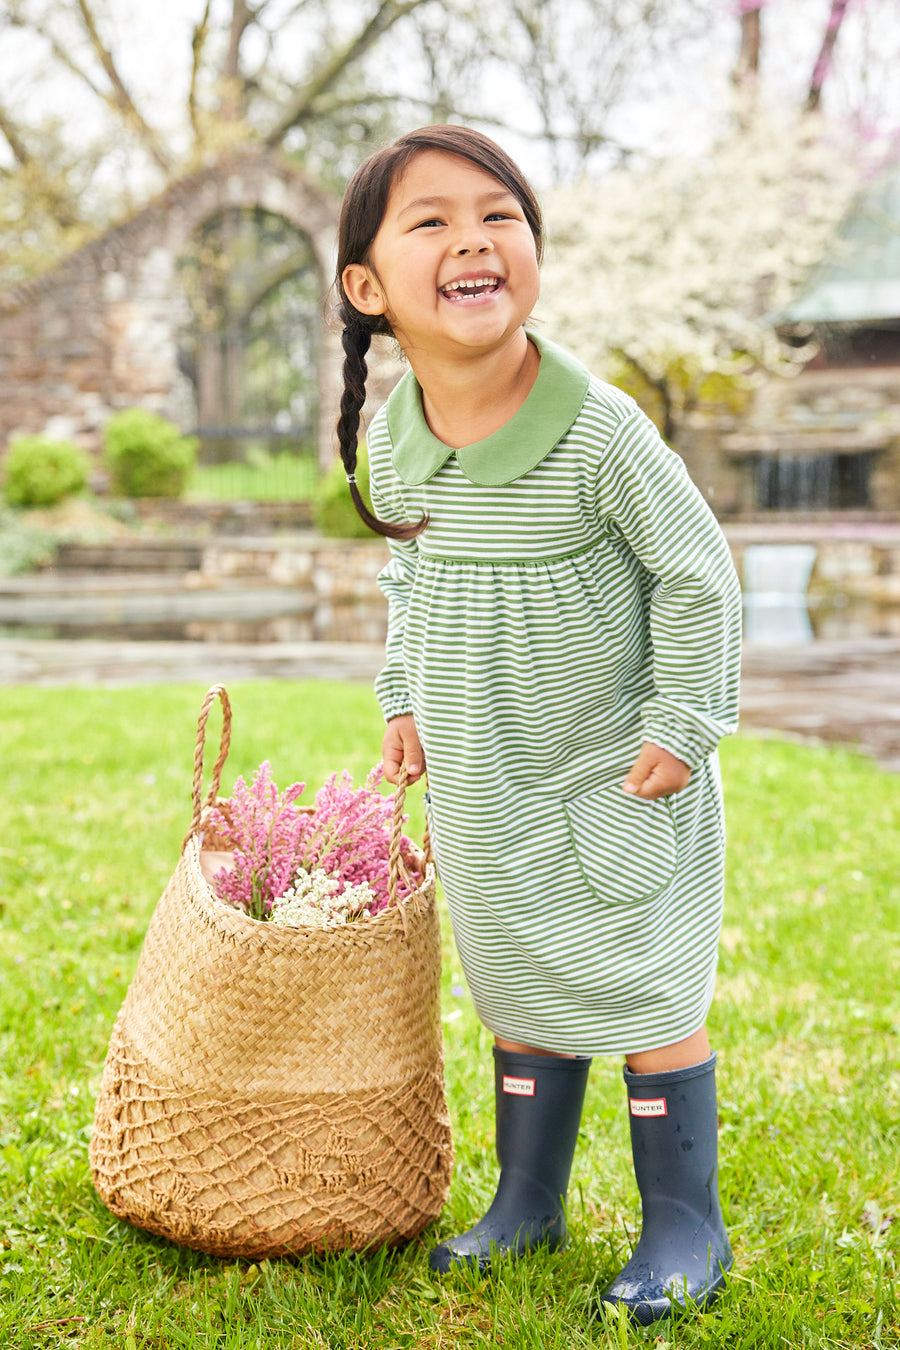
392	693
690	738
396	708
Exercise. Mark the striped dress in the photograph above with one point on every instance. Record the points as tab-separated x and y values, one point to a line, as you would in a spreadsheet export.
571	598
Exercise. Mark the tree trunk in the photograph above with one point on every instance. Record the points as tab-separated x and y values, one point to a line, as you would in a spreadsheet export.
745	74
746	70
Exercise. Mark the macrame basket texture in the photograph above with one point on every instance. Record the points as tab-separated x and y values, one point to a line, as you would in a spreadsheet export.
274	1090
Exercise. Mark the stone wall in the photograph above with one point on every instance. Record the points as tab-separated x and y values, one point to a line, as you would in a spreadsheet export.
99	332
822	411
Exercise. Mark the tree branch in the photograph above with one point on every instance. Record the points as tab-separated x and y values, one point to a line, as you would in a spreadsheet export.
302	107
62	55
199	34
661	386
241	18
13	138
824	60
233	84
120	97
271	278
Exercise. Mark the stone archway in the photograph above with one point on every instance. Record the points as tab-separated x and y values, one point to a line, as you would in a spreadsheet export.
100	331
251	337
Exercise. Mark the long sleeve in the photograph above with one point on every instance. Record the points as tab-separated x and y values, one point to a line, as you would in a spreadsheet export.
396	580
648	499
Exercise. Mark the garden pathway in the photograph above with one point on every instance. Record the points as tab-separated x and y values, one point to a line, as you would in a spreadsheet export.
829	691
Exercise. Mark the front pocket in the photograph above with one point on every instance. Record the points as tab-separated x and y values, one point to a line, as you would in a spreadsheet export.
626	848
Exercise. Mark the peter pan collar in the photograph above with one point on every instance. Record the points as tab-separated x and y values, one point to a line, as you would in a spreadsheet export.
515	449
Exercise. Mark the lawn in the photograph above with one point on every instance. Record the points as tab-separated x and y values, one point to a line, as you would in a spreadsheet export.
94	802
259	477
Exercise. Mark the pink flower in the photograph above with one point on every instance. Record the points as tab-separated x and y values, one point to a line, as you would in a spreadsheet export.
265	830
347	835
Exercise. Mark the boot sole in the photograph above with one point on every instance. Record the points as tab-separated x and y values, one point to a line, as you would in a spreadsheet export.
442	1260
644	1312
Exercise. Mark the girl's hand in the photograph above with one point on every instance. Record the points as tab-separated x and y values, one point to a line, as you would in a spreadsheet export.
401	742
656	773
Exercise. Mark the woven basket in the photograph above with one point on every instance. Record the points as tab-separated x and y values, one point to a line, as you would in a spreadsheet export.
275	1090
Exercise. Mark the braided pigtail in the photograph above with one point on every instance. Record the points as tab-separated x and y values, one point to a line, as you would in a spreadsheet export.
356	339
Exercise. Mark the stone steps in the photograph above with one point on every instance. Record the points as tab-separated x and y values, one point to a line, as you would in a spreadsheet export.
295	588
138	555
99	582
224	518
132	605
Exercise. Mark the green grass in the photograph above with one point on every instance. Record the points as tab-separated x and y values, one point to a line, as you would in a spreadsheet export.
261	477
94	801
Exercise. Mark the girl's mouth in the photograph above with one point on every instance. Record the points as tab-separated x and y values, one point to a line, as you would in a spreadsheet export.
470	288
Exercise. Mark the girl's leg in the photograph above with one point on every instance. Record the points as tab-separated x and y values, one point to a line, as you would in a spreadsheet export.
693	1050
515	1048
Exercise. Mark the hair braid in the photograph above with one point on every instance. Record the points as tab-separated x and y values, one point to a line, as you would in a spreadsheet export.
355	341
356	338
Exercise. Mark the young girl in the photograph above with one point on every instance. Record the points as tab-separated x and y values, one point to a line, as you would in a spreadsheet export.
563	654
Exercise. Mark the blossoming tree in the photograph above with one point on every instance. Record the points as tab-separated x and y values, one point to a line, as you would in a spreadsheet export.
666	280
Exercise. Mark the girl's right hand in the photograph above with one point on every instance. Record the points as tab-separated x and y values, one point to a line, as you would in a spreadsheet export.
401	742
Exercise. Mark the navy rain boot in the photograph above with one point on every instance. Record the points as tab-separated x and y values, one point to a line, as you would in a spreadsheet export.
538	1111
683	1251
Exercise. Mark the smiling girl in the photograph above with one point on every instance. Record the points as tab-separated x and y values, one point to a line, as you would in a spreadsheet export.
562	652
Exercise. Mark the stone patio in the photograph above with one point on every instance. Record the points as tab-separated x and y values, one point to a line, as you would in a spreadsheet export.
846	693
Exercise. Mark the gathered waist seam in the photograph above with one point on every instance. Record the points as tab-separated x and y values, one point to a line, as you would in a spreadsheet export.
512	562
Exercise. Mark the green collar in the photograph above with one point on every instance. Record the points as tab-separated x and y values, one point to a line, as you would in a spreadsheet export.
515	449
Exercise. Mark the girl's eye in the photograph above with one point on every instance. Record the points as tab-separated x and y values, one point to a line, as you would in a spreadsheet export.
498	215
426	224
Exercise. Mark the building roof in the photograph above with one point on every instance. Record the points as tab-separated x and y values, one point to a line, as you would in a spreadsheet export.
860	281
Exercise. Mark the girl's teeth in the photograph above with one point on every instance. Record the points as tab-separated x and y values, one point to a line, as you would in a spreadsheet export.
483	284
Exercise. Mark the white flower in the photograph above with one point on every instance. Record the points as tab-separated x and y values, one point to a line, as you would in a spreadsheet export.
680	266
313	901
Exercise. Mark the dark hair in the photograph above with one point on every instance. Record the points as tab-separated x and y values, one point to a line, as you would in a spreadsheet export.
362	212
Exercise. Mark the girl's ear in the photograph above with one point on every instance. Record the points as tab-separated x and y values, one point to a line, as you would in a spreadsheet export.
362	289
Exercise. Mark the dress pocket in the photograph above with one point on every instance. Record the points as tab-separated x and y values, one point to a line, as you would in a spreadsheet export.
626	848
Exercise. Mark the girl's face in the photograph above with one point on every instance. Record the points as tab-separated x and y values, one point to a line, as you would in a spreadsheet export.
453	266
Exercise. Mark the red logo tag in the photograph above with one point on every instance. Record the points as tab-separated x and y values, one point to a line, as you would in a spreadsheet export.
518	1087
655	1106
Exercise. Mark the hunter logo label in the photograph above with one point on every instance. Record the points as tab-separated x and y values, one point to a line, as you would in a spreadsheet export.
518	1087
655	1106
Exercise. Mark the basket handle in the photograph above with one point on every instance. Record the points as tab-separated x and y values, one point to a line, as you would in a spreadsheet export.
395	862
216	691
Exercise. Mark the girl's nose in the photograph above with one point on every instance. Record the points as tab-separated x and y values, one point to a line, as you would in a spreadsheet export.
472	243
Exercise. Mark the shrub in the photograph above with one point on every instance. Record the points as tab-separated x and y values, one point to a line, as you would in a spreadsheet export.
40	472
23	546
146	454
335	514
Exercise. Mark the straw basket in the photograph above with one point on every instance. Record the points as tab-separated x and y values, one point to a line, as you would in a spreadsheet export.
275	1090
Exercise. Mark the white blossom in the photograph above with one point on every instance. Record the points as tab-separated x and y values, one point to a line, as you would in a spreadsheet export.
316	901
676	271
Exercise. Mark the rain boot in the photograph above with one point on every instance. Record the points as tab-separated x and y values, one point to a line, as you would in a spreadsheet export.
683	1252
538	1110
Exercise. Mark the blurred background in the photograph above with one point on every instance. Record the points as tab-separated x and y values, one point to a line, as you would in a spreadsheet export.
721	180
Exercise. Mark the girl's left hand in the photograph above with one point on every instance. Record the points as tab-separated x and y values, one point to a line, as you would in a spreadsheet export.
656	773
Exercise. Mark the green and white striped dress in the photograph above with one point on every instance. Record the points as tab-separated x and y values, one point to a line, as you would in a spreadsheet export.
571	598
